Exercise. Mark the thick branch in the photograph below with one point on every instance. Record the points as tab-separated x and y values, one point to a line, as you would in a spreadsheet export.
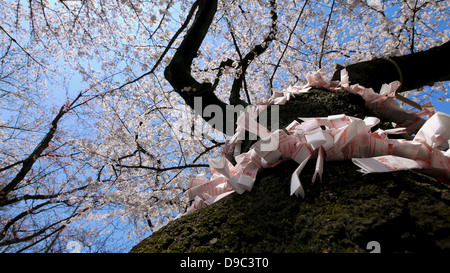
178	72
29	161
416	70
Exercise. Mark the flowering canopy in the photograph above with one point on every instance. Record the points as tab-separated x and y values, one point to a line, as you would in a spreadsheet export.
87	114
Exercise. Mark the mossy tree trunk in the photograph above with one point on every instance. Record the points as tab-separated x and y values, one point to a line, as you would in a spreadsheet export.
404	211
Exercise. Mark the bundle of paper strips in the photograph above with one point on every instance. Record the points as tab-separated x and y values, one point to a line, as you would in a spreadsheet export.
337	137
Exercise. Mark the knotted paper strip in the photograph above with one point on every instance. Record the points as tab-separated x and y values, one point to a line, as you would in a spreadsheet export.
336	137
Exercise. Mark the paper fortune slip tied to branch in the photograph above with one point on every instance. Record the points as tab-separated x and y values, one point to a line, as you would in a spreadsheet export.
336	137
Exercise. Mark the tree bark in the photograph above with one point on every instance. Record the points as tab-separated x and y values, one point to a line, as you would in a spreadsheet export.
404	211
178	71
414	70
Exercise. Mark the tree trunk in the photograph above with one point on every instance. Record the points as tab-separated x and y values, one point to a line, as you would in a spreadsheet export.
403	211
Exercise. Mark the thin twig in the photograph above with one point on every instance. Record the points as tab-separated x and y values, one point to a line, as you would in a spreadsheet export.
325	35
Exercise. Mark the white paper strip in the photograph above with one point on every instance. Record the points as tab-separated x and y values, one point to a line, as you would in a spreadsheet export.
387	163
340	137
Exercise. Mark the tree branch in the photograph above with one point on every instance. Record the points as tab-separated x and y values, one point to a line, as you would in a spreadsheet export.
39	196
237	83
325	34
163	169
286	45
253	54
29	161
178	71
415	70
23	49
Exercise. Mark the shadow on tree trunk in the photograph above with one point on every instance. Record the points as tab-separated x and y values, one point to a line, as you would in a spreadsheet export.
403	211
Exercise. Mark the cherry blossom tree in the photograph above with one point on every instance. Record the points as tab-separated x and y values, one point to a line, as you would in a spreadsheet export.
97	96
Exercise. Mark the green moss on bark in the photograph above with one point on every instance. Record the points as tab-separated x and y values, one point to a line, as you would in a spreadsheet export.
404	211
